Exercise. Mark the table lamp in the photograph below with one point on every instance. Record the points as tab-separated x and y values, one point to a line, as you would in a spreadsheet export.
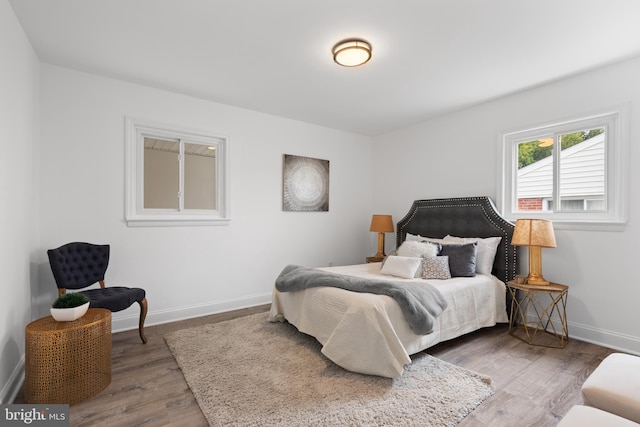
536	234
381	224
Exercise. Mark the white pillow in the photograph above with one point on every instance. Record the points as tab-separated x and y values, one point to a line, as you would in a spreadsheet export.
419	238
412	237
401	266
418	249
414	248
487	248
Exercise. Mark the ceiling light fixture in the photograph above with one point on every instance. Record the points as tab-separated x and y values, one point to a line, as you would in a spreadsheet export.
351	52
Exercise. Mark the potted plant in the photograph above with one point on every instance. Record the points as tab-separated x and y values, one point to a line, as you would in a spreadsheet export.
68	307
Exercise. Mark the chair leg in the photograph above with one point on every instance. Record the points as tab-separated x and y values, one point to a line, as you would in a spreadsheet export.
143	315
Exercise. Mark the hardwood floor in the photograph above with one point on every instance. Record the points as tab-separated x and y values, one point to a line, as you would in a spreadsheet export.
535	386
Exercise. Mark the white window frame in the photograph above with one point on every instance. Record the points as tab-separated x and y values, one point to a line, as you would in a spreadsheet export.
617	173
136	215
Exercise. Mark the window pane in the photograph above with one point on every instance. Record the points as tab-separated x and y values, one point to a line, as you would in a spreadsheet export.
596	205
199	176
587	171
161	174
534	182
166	182
582	170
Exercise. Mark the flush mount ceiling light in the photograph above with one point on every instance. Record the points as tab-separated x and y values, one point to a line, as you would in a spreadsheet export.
351	52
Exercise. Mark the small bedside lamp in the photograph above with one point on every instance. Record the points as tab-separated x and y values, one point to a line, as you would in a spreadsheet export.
536	234
381	224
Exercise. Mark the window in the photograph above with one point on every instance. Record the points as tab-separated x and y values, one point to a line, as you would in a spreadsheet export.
569	172
175	176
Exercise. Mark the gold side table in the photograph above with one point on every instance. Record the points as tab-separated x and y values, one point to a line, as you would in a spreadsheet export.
547	305
67	362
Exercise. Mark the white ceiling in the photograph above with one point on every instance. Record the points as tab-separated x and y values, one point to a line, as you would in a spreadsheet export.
429	56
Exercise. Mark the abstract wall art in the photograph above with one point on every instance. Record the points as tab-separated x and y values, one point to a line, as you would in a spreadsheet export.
305	184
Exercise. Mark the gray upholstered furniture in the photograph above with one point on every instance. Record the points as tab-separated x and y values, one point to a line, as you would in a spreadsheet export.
79	265
614	386
587	416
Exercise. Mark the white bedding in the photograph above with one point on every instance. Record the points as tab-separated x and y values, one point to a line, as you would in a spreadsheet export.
368	333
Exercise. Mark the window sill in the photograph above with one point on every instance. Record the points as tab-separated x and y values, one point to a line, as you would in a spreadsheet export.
589	225
572	224
177	222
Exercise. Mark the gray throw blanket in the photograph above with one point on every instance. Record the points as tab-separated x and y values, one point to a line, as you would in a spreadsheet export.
421	303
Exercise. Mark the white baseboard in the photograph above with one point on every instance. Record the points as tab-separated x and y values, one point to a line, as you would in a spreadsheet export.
602	337
614	340
158	317
12	387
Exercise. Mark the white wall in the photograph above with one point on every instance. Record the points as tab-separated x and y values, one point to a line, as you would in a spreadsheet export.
75	123
457	155
189	271
18	226
62	179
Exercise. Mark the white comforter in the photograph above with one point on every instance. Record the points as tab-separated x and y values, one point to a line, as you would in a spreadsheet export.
368	333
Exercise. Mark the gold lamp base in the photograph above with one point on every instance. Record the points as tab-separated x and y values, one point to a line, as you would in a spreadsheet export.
537	281
535	267
380	253
381	224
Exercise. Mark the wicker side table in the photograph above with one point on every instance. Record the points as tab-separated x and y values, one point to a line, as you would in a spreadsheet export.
67	362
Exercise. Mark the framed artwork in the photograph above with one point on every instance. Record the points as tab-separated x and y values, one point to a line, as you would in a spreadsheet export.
305	184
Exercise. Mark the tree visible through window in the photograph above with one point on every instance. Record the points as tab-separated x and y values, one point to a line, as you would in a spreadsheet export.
532	151
572	171
580	164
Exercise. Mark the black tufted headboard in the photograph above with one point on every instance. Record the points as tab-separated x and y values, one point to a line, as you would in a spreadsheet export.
463	217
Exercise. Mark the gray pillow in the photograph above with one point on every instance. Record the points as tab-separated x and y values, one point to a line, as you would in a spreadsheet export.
462	259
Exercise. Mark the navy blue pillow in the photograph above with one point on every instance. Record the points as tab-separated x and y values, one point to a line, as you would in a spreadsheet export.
462	259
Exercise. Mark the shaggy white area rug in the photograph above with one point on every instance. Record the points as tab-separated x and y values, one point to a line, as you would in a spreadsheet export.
250	372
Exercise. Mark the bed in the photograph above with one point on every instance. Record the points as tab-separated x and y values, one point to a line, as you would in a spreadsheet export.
369	333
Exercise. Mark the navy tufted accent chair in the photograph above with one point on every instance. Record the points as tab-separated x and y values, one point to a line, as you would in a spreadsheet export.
78	265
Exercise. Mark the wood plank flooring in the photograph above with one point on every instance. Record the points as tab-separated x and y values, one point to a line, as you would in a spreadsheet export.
535	386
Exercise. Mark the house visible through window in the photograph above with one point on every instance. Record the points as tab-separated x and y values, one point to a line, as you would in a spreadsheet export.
175	176
581	178
570	171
